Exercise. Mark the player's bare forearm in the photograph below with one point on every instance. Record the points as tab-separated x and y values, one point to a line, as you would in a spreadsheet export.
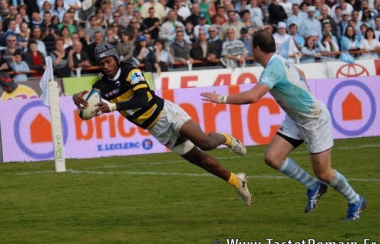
245	97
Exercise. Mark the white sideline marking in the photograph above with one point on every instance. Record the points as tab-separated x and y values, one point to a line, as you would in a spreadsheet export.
172	174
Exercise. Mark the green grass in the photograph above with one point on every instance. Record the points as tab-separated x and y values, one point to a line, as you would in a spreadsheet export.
160	198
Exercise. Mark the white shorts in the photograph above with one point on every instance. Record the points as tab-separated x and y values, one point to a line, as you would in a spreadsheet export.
167	128
317	133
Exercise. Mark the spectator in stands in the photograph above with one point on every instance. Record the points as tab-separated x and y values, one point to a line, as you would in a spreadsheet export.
135	27
276	13
163	57
102	22
19	20
329	45
324	17
207	8
180	49
34	58
246	39
288	6
221	13
12	31
264	5
310	26
367	18
166	7
249	25
285	45
83	38
202	49
152	23
168	29
159	10
59	9
140	20
68	21
338	14
144	54
124	17
369	44
25	31
234	53
107	11
125	46
111	37
65	34
201	26
11	16
94	27
98	38
216	42
345	7
311	51
318	8
22	9
36	20
177	17
183	9
328	30
303	9
342	25
55	21
4	9
77	57
60	60
75	5
255	13
46	7
11	47
36	35
377	28
298	40
356	20
229	6
363	29
295	17
194	17
49	32
349	42
188	32
232	23
20	67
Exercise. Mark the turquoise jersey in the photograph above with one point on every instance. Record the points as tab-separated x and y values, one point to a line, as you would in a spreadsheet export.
290	90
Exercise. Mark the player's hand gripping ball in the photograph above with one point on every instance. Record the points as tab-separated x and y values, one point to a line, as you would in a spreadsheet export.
92	97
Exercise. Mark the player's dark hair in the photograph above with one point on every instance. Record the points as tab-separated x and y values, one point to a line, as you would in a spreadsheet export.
264	40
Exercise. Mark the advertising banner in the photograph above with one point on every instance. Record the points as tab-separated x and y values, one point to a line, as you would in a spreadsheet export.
28	89
250	75
26	135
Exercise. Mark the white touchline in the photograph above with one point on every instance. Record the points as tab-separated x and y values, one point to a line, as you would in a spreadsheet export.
170	174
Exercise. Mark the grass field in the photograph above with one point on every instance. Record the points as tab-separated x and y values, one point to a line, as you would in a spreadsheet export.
162	199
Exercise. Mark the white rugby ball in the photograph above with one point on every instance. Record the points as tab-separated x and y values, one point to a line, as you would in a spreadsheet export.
92	97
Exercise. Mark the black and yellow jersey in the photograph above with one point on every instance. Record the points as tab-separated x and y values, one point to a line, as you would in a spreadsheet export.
132	95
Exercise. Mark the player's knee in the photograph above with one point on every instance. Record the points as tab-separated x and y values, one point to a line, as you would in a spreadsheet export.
269	159
207	145
324	176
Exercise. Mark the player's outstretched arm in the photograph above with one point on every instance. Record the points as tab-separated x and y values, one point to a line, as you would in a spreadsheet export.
79	100
245	97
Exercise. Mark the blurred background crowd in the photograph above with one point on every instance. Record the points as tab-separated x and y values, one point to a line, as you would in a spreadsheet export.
161	33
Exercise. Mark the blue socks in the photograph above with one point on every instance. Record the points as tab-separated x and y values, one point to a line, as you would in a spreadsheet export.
290	168
340	184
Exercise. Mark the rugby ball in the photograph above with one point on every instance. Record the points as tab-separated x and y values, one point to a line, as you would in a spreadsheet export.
92	97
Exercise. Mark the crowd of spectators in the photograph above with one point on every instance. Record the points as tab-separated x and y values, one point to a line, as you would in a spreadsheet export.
159	33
